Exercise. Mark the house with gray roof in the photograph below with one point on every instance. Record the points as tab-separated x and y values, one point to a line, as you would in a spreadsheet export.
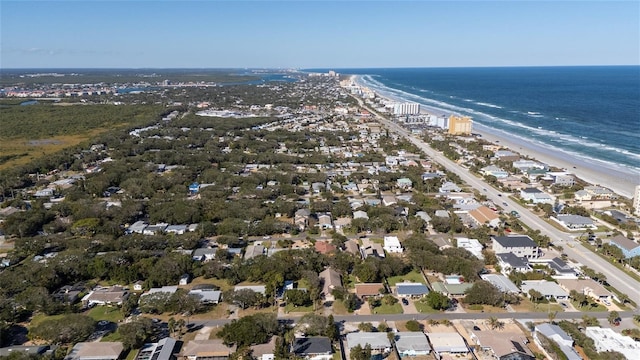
378	341
411	290
509	262
501	282
96	350
253	251
313	348
629	247
555	333
574	222
161	350
520	245
412	343
448	343
548	289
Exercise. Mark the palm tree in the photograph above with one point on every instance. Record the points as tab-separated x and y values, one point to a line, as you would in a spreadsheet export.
494	323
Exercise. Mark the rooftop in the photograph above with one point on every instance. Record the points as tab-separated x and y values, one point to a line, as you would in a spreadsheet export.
515	241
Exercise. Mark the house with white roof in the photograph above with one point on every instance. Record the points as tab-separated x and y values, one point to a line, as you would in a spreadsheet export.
548	289
574	222
412	343
536	196
471	245
378	341
392	245
448	343
605	339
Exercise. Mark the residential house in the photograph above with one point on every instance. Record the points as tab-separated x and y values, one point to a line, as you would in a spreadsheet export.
519	245
412	343
364	290
471	245
501	282
114	295
392	245
535	196
171	289
484	216
207	350
312	348
629	248
562	178
606	339
493	170
370	248
324	247
206	294
330	280
561	268
359	214
404	183
96	350
161	350
176	229
575	222
510	262
503	345
301	218
411	290
184	279
441	214
253	251
137	227
341	223
598	192
204	254
448	187
324	221
559	336
548	289
506	155
424	216
351	246
527	166
378	341
389	200
586	286
264	351
155	229
450	343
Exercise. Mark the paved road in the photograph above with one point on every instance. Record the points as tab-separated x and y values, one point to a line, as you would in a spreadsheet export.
440	316
616	277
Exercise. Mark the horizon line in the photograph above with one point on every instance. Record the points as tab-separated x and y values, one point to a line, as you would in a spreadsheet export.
303	68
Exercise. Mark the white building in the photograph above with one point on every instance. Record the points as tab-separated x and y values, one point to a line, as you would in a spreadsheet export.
605	339
406	108
520	245
392	245
471	245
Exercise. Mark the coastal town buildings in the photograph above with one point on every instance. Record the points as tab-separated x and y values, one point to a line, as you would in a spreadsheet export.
460	125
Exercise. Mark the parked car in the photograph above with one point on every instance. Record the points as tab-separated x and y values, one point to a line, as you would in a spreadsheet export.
405	302
476	328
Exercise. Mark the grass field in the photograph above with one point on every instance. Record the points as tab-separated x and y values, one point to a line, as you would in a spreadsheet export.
387	309
107	313
413	276
588	307
290	308
422	307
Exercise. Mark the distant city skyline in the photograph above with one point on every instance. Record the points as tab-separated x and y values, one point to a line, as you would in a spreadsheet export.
316	34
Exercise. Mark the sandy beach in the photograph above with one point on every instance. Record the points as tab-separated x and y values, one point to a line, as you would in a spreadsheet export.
621	181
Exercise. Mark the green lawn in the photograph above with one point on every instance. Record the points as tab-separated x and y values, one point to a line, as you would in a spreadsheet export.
413	276
387	309
289	308
423	307
598	307
37	319
108	313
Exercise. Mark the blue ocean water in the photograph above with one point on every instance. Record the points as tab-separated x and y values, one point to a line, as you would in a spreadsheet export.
590	112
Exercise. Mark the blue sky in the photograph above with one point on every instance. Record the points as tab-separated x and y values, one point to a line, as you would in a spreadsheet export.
306	34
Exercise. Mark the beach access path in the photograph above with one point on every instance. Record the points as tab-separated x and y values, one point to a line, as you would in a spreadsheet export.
616	277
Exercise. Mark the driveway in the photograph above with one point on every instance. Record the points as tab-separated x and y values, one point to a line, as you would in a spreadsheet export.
409	309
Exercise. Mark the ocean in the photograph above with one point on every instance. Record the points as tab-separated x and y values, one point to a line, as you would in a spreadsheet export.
590	112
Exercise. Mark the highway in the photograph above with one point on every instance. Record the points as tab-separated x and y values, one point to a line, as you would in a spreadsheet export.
615	277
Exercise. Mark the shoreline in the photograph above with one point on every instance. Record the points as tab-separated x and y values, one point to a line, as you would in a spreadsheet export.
591	171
